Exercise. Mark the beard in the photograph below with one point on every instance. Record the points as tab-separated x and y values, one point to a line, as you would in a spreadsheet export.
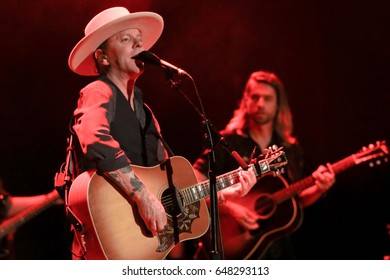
261	118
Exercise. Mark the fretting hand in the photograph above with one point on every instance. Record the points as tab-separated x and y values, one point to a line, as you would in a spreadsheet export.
247	181
324	177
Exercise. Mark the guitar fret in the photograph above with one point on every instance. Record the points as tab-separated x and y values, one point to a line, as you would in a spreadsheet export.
200	191
344	164
229	180
186	196
206	189
221	184
194	193
191	195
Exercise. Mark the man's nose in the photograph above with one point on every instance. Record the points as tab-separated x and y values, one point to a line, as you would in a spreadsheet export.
138	43
260	102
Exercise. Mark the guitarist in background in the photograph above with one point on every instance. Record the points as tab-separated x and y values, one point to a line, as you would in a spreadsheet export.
113	125
262	119
10	206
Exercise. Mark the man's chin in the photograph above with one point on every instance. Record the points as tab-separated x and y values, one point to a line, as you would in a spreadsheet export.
262	121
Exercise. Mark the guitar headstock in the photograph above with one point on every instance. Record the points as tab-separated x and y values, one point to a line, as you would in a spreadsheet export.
272	160
373	153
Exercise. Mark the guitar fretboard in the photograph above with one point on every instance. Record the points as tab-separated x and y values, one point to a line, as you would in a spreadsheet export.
202	190
296	188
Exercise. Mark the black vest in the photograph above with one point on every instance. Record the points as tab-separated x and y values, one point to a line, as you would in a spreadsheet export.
135	132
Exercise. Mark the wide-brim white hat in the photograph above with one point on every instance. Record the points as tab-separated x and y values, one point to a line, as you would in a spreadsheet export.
106	24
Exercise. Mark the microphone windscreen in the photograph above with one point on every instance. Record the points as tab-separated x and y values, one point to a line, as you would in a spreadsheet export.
147	57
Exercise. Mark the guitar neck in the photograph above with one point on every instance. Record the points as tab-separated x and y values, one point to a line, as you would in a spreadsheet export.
12	223
202	190
301	185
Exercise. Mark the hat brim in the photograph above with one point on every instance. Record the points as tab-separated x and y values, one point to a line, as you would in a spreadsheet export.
81	59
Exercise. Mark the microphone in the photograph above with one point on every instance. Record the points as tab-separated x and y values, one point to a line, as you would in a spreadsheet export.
151	58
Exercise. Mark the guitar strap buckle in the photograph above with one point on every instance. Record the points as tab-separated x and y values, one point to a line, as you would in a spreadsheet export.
79	251
77	224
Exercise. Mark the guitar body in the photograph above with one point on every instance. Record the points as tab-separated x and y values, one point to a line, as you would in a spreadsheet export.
112	227
278	220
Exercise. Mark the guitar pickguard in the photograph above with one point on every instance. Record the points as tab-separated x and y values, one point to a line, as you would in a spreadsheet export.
184	223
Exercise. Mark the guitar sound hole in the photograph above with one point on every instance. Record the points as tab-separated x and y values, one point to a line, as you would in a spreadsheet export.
172	201
265	206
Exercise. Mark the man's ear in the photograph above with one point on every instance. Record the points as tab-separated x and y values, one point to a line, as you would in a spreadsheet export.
101	57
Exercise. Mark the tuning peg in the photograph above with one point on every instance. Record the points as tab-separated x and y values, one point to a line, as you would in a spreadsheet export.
272	148
279	171
371	146
377	162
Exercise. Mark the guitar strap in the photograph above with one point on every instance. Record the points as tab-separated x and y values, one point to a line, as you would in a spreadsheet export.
159	136
170	153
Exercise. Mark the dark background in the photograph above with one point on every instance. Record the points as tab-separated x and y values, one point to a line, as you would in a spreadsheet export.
333	57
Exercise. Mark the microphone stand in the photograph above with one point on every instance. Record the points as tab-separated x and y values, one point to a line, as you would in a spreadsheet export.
213	137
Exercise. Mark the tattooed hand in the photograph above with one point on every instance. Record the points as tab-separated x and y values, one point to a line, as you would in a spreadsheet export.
150	208
151	211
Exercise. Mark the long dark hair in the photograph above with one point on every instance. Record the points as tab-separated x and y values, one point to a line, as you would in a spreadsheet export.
283	125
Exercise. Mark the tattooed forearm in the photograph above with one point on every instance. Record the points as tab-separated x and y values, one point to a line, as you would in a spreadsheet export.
137	185
126	169
127	180
117	175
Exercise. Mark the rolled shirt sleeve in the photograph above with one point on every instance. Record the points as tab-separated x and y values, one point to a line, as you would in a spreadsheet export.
94	112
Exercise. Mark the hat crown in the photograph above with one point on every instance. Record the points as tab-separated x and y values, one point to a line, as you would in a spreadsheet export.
105	17
106	24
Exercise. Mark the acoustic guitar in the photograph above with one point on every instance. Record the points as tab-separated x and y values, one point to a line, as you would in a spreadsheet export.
111	228
274	200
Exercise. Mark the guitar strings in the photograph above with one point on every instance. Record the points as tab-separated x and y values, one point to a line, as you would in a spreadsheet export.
226	180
